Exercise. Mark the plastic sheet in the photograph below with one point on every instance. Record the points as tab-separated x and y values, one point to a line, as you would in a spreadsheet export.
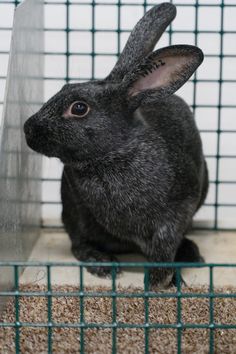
20	168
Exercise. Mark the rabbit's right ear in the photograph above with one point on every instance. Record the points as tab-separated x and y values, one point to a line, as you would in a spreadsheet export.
161	74
143	39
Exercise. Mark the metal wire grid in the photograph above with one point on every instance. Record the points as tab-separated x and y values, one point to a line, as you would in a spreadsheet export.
146	294
215	204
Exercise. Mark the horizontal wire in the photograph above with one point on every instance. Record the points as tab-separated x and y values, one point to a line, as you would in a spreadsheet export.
113	54
116	264
118	325
51	202
48	179
120	4
111	294
210	227
114	30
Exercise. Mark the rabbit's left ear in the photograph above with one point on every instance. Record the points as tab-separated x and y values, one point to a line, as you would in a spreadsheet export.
162	73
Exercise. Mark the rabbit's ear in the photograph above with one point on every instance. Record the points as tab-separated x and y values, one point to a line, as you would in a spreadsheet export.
143	39
162	73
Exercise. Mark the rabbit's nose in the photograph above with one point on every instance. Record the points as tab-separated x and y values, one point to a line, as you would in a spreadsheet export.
28	129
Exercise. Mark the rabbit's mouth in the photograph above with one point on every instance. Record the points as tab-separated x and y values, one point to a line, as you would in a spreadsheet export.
51	149
42	147
40	142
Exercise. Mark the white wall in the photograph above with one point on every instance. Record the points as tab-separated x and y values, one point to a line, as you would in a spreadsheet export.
207	94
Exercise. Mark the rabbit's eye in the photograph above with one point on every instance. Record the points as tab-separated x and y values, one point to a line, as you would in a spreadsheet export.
79	109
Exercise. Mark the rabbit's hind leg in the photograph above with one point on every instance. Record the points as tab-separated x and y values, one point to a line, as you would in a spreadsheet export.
188	251
161	248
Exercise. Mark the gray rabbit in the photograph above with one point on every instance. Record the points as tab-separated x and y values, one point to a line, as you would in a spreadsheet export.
134	171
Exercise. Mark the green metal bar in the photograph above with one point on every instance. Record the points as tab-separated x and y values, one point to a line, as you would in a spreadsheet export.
82	323
219	119
120	264
179	310
146	306
114	320
17	323
118	295
122	325
49	301
211	312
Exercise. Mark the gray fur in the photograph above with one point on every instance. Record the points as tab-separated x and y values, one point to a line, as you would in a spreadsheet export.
133	179
143	38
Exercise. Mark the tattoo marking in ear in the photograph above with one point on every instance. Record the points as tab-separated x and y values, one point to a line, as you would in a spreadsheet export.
161	62
151	66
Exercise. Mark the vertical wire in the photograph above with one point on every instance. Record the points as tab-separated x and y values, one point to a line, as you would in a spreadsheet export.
49	297
146	305
118	28
81	310
17	310
179	311
170	30
216	223
93	30
211	314
196	43
114	300
67	79
144	6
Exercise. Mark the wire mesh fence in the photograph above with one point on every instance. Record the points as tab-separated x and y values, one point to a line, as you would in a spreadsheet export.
83	40
216	304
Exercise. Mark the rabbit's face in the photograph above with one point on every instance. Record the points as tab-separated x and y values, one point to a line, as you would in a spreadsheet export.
88	120
81	121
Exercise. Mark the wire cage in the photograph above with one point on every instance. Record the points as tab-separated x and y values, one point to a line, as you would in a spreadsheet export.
82	44
83	40
120	316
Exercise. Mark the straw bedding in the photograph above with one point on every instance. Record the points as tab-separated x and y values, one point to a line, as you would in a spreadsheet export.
131	341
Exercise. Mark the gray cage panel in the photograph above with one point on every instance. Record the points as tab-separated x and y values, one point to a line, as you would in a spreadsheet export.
20	168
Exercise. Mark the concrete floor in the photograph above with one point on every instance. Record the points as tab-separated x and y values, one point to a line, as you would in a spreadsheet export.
55	246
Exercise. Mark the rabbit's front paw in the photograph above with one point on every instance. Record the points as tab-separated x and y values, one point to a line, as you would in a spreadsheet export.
96	256
103	271
160	278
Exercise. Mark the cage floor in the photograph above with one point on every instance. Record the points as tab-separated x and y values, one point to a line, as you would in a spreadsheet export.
65	311
196	311
55	246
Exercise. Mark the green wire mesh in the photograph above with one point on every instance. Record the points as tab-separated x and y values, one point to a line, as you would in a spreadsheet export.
221	203
146	294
